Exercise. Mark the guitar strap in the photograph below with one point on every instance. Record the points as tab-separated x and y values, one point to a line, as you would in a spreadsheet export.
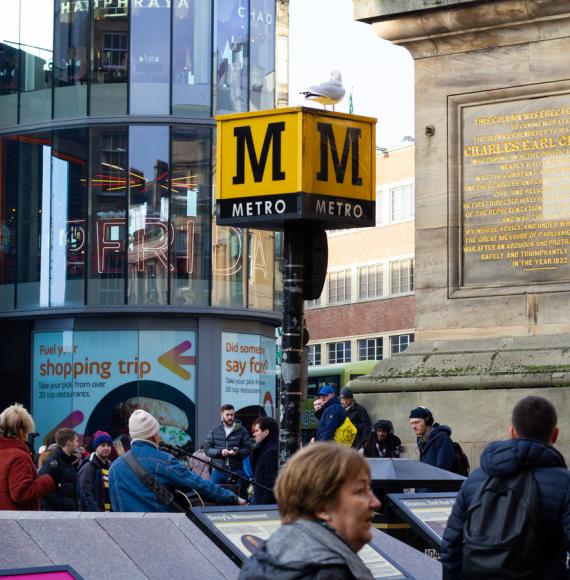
160	491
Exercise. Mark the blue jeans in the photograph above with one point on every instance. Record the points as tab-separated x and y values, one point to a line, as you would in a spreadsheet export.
219	476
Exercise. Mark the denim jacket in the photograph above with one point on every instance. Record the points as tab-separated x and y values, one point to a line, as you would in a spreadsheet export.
130	494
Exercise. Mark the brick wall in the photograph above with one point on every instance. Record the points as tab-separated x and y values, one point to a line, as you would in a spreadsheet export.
362	318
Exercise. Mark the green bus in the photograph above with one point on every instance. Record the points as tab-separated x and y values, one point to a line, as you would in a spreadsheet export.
335	375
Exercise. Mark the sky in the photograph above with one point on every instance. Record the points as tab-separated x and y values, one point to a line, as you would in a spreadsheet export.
323	37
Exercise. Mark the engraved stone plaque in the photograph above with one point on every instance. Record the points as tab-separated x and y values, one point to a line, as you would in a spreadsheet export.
515	183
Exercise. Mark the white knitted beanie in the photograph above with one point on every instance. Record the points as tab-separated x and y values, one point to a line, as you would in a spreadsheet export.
142	425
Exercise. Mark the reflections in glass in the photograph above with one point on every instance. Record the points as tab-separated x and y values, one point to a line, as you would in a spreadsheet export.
261	275
191	58
232	32
109	58
190	202
34	191
228	280
262	55
8	217
71	59
36	58
278	268
9	62
68	209
107	216
148	233
150	59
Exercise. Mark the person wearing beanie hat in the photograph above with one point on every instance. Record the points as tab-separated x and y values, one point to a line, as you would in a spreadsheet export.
433	440
358	416
130	494
382	442
142	425
93	475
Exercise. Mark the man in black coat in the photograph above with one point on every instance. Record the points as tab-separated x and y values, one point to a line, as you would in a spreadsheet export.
265	458
533	432
228	444
60	465
358	415
433	440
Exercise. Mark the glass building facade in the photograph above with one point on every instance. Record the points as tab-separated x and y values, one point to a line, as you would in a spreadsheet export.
107	222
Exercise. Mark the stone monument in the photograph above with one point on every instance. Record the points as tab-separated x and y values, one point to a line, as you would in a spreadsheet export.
492	214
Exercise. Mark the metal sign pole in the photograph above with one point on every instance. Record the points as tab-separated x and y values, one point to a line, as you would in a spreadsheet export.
293	295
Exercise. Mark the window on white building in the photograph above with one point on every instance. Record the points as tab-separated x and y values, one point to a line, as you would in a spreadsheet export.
402	276
370	282
339	352
312	303
380	200
403	203
400	343
339	287
314	354
370	349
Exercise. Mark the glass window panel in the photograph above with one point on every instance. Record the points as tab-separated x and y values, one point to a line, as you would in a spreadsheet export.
339	285
36	60
228	281
261	275
370	282
8	220
71	59
191	58
190	204
400	343
262	51
278	304
370	349
402	276
107	216
150	58
339	352
109	57
148	235
33	222
9	62
314	354
403	202
68	213
232	32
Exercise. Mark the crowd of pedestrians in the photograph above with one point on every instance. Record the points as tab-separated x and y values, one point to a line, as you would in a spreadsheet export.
521	489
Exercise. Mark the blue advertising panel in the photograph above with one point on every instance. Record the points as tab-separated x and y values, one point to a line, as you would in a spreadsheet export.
248	374
94	380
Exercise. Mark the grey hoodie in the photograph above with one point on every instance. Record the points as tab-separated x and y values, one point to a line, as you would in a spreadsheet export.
305	549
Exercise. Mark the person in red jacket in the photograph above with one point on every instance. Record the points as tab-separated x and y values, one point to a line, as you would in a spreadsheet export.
20	486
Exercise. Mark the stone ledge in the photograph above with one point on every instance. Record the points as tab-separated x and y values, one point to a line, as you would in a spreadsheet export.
455	27
473	364
375	10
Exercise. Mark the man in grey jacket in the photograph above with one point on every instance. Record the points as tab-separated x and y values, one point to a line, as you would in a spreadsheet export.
228	444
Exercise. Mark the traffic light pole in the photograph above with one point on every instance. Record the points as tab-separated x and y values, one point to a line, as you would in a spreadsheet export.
294	282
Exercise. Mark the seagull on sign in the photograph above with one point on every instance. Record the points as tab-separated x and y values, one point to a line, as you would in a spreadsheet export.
328	93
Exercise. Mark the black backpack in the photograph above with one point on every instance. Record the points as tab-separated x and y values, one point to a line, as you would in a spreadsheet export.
501	530
461	466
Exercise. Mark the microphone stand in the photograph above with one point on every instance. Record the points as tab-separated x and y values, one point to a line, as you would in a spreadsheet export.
178	452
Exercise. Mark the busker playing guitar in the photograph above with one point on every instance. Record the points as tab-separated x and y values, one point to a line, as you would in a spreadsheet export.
148	483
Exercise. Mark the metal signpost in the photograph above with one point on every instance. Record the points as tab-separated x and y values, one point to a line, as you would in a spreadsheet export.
304	171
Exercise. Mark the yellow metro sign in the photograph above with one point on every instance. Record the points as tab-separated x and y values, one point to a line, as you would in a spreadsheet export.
296	164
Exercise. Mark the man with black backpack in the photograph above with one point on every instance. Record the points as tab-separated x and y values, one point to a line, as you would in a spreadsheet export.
511	518
433	440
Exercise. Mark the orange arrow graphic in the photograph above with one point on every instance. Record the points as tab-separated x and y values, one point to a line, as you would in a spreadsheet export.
173	360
